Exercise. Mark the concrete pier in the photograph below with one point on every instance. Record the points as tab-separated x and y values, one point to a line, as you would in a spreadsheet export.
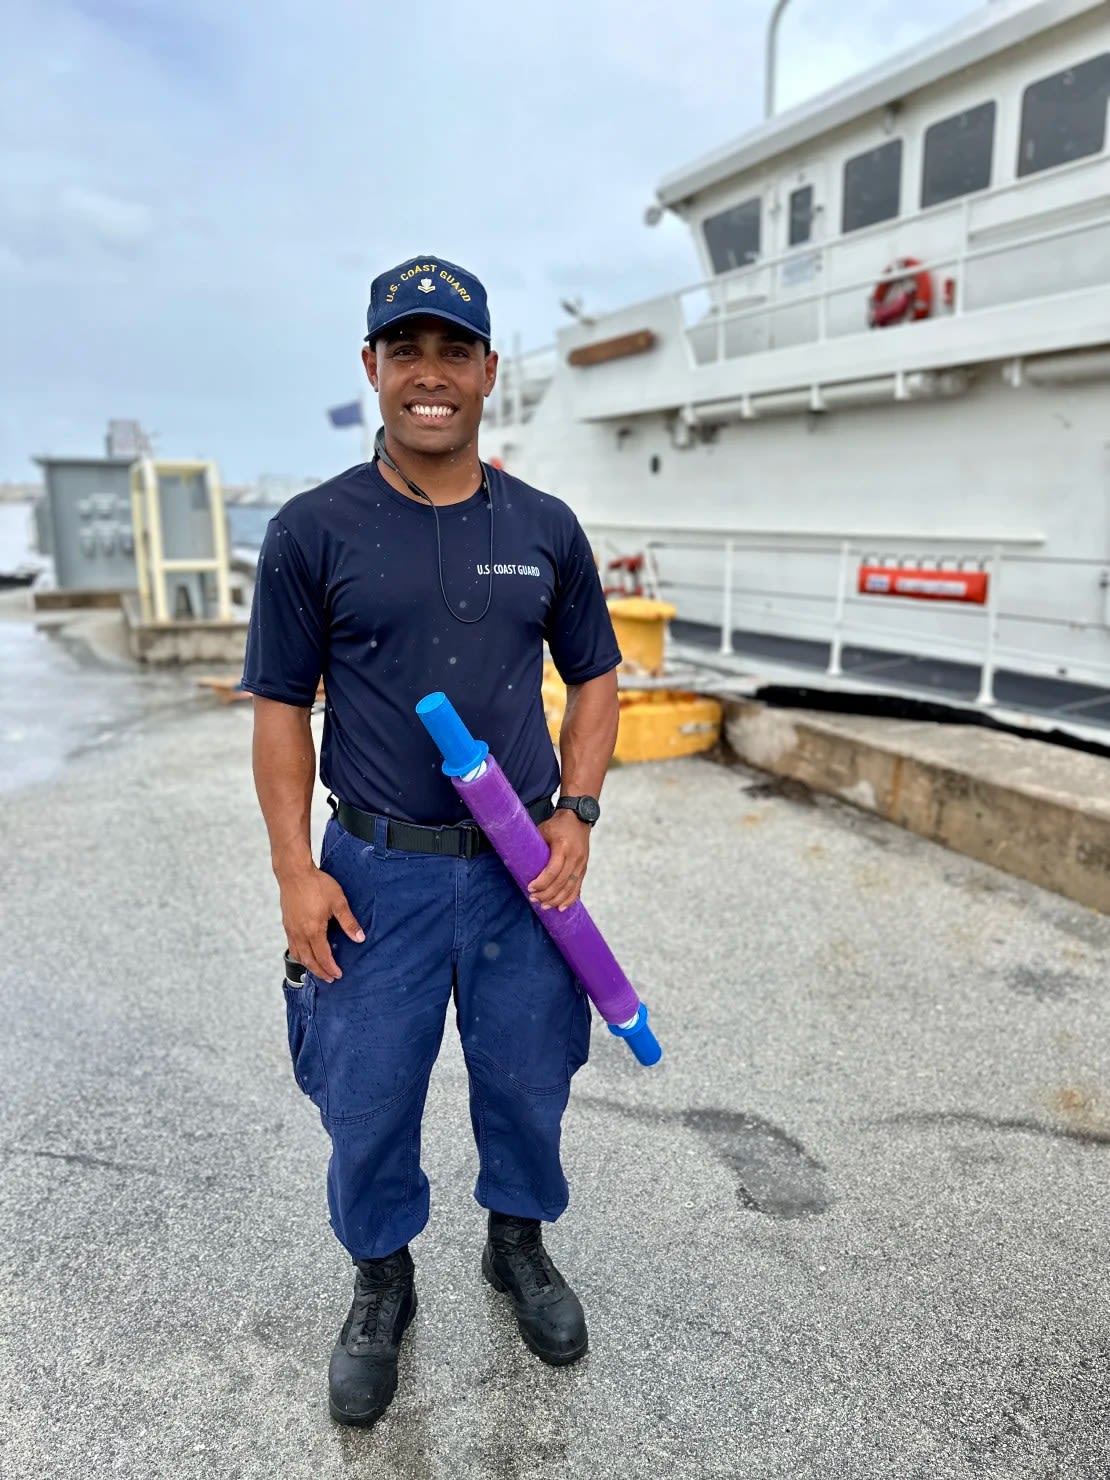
854	1225
1034	809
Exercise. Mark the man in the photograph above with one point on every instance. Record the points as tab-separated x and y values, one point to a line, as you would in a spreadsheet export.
426	570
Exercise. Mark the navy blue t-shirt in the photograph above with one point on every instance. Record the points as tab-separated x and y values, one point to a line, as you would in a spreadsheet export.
348	589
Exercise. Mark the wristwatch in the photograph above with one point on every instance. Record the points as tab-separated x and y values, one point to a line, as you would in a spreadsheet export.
586	809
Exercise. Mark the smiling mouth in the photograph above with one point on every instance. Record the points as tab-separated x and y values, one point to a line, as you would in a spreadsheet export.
431	410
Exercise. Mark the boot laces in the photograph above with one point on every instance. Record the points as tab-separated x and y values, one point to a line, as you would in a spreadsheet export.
535	1265
374	1306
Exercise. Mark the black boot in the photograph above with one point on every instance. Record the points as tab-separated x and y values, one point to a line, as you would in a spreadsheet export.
547	1309
362	1377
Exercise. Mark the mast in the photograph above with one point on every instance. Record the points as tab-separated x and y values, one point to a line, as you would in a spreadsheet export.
769	68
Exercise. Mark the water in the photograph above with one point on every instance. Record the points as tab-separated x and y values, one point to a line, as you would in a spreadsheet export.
16	537
247	524
66	690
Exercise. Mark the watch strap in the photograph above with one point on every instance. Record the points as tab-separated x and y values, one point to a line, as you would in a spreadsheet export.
573	804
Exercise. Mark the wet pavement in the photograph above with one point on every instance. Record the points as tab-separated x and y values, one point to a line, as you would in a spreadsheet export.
854	1226
68	687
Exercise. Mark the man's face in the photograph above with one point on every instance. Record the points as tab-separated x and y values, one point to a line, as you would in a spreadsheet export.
431	380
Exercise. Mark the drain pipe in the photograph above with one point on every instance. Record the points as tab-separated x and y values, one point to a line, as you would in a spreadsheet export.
769	66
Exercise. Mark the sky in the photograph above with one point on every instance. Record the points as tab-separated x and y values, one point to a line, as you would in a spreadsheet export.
195	196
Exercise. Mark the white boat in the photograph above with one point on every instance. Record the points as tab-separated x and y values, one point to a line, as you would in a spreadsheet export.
894	375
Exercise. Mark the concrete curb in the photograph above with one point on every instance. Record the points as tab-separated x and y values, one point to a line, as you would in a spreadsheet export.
1038	811
199	640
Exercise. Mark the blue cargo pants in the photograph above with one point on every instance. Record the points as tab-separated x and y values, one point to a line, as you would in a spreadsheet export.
363	1046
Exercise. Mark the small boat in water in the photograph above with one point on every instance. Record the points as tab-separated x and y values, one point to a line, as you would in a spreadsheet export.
23	575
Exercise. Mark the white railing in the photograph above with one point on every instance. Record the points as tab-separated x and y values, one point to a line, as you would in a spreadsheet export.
705	303
720	316
832	611
521	381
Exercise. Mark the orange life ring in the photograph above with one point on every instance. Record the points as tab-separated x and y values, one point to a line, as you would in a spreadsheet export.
902	294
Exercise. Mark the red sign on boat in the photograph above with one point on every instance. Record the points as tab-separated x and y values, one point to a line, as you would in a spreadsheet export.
924	585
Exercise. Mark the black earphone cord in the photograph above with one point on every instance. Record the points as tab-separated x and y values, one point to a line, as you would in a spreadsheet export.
383	455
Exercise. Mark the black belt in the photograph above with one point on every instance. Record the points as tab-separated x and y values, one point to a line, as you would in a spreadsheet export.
464	841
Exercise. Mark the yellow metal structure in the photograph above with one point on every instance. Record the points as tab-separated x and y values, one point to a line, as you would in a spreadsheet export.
150	561
641	628
662	724
553	692
656	724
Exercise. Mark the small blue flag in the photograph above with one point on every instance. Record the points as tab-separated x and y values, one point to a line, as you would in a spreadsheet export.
346	416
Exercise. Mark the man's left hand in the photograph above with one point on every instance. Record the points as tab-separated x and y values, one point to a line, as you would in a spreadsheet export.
561	881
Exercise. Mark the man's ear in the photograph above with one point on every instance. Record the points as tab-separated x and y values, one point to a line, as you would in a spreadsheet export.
491	372
370	361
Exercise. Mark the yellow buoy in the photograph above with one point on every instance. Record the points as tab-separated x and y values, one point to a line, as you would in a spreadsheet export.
656	724
641	627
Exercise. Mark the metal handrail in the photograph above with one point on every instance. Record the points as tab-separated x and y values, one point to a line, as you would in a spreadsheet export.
847	604
516	371
721	316
673	534
962	205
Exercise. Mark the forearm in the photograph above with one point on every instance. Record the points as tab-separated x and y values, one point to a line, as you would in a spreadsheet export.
284	774
588	735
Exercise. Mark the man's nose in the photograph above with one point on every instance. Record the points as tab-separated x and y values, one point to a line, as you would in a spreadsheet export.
431	373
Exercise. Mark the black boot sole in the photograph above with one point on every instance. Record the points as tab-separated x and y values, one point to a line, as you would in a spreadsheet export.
553	1359
369	1418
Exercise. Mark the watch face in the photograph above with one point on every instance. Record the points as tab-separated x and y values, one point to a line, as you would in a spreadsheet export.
588	809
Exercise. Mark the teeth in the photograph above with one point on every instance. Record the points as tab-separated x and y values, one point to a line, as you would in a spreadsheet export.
437	411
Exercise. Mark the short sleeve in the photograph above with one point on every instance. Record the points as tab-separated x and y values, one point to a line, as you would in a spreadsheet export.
579	629
285	638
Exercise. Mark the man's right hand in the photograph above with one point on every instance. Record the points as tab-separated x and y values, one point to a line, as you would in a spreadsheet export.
308	901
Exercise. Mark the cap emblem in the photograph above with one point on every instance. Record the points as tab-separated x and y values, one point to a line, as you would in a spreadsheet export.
425	286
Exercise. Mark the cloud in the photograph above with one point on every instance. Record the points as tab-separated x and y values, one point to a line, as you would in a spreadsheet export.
203	191
115	222
51	231
189	44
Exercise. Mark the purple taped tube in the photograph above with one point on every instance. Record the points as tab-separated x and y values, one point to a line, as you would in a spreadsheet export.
499	812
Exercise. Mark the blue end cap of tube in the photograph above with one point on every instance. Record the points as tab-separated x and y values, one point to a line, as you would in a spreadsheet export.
461	752
640	1039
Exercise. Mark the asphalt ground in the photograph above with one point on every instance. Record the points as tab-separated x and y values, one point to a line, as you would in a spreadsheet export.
853	1226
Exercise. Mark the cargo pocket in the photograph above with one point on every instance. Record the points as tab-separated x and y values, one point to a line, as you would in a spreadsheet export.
578	1044
304	1041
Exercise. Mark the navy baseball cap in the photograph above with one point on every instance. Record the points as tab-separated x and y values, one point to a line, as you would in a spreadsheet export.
428	285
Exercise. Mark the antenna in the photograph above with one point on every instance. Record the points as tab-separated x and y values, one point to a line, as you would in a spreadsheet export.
769	71
576	309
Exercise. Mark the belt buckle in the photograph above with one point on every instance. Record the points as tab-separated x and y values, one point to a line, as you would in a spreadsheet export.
472	839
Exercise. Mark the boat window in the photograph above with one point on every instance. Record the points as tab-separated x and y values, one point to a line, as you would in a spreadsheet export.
801	215
1063	117
872	186
733	236
958	153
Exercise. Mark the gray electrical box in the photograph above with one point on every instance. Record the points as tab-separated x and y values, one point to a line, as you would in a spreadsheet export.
87	521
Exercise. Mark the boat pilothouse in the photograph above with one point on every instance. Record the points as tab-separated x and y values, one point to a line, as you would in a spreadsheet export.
897	361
